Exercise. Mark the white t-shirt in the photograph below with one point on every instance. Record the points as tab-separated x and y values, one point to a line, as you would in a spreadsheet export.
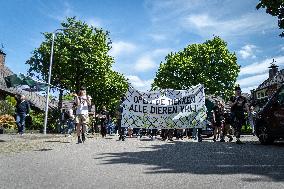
82	107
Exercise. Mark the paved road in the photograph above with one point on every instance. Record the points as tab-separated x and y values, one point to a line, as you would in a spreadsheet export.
58	162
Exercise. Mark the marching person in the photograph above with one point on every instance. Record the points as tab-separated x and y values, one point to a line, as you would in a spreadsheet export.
82	101
104	117
218	115
238	104
21	111
119	118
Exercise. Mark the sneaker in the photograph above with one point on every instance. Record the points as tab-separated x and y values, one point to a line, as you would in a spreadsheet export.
79	141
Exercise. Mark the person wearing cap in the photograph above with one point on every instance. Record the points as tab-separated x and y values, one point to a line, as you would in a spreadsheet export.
238	104
82	102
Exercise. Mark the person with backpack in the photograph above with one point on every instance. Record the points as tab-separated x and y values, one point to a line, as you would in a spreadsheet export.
82	102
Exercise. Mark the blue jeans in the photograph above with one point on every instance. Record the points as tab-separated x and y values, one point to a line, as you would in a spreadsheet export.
20	121
71	126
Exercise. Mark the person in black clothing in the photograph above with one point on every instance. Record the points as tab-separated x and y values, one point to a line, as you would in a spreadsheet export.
21	111
104	117
119	118
218	116
238	104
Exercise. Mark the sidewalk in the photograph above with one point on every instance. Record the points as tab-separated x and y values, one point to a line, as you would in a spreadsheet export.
14	143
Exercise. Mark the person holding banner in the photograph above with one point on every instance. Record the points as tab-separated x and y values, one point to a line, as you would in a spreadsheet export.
119	118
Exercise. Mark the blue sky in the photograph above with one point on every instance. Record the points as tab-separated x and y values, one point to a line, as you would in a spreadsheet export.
143	32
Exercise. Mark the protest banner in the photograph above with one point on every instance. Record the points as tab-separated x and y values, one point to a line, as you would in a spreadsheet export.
165	109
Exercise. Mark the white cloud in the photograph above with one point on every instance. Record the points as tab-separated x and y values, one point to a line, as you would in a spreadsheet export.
248	89
247	51
207	25
144	63
260	67
150	60
142	85
253	80
282	48
94	22
158	37
122	48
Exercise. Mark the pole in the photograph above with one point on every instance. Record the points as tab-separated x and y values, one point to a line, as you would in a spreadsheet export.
48	87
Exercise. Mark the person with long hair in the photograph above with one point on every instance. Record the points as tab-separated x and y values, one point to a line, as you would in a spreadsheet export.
82	102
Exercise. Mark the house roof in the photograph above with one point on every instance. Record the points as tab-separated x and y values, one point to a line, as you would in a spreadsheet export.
36	100
278	78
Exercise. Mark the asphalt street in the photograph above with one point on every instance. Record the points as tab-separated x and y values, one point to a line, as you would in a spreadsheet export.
58	162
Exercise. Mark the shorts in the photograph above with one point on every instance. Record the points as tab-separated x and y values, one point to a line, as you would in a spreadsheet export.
82	119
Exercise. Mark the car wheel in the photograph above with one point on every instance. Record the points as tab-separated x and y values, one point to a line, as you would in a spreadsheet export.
264	136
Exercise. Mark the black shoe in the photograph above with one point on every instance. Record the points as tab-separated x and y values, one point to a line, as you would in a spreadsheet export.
231	139
239	142
222	140
79	141
83	137
214	140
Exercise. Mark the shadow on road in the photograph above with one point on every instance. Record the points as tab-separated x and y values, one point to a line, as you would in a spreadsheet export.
2	140
44	149
206	158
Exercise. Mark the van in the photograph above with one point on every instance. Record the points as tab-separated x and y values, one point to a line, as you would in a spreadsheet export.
269	122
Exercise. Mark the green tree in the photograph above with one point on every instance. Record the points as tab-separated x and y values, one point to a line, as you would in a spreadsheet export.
274	8
209	63
80	58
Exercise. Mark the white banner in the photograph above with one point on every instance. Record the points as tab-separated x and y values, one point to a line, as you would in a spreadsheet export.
165	109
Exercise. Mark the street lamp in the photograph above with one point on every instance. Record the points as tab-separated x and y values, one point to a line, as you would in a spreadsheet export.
49	78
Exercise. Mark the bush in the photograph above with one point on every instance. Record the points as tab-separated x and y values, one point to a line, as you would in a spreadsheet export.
6	108
7	122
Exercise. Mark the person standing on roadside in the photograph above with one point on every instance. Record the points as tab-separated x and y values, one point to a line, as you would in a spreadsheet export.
21	111
82	102
238	104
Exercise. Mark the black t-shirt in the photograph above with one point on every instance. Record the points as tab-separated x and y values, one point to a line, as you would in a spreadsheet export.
219	113
105	118
240	105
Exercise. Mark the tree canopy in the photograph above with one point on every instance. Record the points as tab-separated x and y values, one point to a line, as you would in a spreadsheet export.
274	8
80	59
209	63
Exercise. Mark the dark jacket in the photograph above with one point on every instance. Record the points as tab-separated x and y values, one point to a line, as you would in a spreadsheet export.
22	107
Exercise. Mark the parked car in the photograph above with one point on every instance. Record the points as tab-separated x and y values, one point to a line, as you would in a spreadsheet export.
269	123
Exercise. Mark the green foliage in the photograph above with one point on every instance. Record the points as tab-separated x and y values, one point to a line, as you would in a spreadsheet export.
80	58
68	96
37	119
11	100
209	63
274	8
6	108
